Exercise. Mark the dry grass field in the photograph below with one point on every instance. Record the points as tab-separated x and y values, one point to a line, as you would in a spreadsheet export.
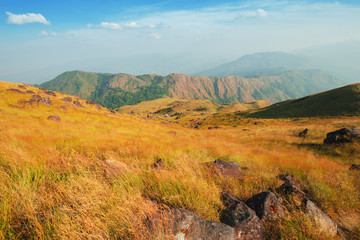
90	175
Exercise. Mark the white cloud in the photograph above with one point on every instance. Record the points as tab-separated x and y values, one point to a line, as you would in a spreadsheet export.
155	36
48	33
258	13
26	18
132	25
109	25
261	12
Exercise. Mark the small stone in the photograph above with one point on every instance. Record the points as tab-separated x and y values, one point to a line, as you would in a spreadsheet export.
355	167
67	99
54	117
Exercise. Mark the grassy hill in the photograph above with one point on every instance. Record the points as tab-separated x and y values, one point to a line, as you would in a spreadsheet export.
116	90
91	175
344	101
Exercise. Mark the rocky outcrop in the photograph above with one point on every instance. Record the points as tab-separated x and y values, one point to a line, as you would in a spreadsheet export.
77	103
67	99
50	93
243	219
342	135
181	224
225	169
15	90
267	205
45	100
319	218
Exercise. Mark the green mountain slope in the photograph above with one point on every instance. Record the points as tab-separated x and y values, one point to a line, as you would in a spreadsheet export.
116	90
336	102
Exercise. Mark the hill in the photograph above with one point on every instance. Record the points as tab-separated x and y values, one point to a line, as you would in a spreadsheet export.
183	111
259	64
90	173
116	90
337	102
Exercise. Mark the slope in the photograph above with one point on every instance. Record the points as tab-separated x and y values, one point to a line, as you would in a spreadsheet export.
337	102
92	175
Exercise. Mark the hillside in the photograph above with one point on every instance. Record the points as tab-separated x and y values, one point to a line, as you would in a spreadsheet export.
337	102
184	111
116	90
90	172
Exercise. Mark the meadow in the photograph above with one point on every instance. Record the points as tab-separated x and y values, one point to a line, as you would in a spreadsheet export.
91	176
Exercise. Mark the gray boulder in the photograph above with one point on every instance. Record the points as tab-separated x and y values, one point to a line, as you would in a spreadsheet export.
267	205
243	219
319	218
181	224
226	169
342	135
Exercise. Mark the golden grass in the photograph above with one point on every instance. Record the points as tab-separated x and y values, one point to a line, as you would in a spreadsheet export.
54	183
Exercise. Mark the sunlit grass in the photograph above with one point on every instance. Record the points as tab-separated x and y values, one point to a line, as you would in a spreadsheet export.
54	184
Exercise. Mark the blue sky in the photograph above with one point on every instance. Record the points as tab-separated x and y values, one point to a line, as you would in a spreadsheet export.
41	39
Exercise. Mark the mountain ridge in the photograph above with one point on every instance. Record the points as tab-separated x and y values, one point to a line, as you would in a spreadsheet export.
116	90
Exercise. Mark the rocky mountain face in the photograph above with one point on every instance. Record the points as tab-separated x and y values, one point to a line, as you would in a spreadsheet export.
116	90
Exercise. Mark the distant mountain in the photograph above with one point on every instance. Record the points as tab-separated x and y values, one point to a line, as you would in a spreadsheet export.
341	59
259	64
337	102
116	90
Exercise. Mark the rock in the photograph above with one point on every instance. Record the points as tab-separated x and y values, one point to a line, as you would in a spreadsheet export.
90	102
15	90
181	224
54	117
112	111
215	127
30	92
303	133
321	220
22	87
226	169
50	93
77	103
173	133
289	188
267	205
342	135
286	178
36	97
355	167
63	107
242	218
159	164
45	100
67	99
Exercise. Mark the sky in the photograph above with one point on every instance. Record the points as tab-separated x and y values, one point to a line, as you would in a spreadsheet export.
40	39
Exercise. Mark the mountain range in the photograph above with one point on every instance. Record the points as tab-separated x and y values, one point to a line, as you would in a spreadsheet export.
116	90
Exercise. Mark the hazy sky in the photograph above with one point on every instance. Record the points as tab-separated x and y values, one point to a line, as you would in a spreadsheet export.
39	39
